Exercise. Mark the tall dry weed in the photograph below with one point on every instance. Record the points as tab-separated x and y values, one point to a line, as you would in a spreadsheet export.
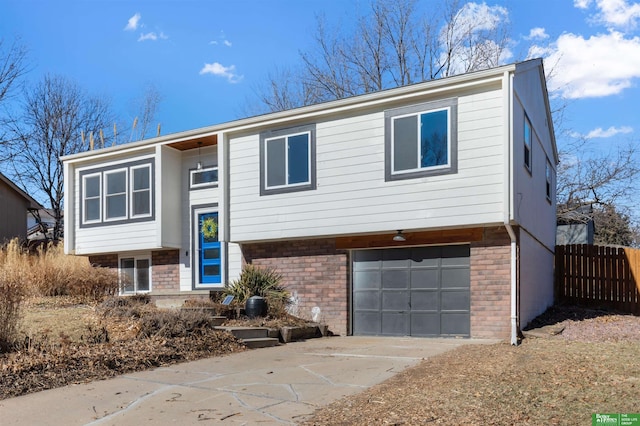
13	275
55	274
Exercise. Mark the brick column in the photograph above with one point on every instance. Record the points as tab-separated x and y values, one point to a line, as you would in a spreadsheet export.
312	269
491	285
165	271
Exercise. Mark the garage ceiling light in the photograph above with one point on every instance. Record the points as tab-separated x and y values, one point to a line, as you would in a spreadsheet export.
399	237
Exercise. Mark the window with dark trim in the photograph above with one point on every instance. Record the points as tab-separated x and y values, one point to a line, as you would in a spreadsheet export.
92	201
204	177
421	140
549	179
117	194
287	160
135	275
527	143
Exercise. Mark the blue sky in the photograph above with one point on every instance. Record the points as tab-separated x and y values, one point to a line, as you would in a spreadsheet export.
206	57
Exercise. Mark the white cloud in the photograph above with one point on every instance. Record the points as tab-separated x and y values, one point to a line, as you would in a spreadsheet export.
618	13
152	36
473	50
220	70
610	132
133	22
148	36
612	13
601	65
227	43
537	34
581	4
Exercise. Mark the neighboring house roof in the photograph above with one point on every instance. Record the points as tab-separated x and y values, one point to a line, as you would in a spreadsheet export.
33	204
203	134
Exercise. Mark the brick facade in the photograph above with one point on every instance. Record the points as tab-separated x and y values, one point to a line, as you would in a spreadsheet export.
491	285
165	271
105	260
315	271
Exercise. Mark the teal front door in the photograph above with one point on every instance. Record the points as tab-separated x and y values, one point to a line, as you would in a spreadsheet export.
209	249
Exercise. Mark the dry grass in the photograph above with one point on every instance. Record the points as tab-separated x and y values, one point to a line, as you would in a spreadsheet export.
552	380
47	272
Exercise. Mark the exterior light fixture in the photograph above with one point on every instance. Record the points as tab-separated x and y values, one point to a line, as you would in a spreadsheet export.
399	237
199	164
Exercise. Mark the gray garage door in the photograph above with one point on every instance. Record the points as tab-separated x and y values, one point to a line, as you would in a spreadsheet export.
419	291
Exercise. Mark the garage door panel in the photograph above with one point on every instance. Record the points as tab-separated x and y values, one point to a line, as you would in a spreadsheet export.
419	291
367	259
395	258
455	255
366	323
454	301
367	300
425	278
455	278
395	324
455	324
425	300
425	324
395	278
363	280
395	300
425	256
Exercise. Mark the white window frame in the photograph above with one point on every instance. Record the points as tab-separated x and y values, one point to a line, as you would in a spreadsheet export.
84	198
194	172
107	195
418	144
286	161
132	191
528	144
135	259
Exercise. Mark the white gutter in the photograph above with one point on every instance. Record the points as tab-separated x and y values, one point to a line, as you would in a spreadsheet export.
508	202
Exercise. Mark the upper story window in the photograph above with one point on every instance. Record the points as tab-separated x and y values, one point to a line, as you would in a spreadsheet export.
549	179
287	160
527	143
92	202
202	178
117	194
115	189
141	191
421	140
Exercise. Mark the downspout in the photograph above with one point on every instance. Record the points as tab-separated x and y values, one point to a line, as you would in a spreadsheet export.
508	201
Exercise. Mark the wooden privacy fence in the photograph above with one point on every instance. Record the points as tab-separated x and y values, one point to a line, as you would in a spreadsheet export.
598	276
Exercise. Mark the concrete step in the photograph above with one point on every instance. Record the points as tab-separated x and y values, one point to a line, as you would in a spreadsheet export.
261	342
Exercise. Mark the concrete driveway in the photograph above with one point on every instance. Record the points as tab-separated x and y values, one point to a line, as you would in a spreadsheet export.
279	385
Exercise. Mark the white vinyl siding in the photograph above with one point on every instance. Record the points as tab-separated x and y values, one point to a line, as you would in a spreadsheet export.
352	195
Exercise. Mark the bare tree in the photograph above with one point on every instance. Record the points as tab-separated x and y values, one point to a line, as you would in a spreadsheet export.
614	227
13	67
146	108
392	45
594	179
55	115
